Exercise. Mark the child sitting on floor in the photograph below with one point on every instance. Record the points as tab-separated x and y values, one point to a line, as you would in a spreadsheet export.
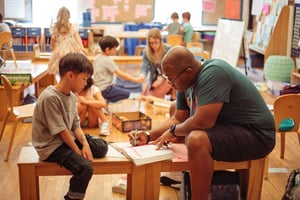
90	105
105	69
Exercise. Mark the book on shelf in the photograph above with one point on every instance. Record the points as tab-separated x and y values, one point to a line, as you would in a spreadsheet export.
144	154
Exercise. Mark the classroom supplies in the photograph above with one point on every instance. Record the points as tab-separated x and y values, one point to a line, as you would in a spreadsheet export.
144	154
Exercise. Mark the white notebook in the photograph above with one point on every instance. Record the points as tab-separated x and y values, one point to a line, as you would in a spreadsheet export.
145	154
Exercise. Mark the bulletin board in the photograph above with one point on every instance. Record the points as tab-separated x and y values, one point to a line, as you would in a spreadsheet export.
215	9
228	40
123	11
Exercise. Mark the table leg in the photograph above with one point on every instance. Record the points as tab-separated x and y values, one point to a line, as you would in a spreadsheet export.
152	181
136	181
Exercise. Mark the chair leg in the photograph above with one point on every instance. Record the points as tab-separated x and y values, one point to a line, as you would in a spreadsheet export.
4	124
14	57
4	58
282	144
12	138
266	170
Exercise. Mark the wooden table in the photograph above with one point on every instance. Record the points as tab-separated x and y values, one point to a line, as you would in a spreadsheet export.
38	72
122	35
119	60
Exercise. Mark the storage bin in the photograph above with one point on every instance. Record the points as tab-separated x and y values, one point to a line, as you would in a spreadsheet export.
128	121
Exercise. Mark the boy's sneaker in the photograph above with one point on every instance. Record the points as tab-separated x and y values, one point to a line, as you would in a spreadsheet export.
104	129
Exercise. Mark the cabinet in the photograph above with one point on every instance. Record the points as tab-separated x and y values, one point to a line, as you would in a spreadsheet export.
274	39
24	38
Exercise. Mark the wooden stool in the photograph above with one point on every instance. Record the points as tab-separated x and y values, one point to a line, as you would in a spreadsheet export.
251	172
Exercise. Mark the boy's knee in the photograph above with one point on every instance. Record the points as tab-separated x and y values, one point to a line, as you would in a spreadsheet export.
88	169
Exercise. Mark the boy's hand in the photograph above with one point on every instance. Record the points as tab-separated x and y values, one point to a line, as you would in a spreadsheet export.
86	151
140	79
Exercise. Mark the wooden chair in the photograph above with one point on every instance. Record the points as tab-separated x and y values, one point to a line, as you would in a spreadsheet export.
18	112
195	36
287	106
5	46
197	49
174	39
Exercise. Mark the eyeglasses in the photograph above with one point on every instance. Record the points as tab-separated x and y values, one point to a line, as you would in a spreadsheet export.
155	42
174	79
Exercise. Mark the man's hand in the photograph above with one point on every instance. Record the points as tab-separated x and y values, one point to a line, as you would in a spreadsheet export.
138	138
164	139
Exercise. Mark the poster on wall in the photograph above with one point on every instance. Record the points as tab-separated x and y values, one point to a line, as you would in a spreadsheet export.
122	11
215	9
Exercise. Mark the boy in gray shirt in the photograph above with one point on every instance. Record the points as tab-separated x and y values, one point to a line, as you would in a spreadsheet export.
56	132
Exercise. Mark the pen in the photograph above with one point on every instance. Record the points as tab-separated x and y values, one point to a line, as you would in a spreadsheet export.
134	141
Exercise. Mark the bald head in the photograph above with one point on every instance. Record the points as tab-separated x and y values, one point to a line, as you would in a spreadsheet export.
178	58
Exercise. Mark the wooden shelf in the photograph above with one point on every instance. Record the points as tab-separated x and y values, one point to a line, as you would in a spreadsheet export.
280	38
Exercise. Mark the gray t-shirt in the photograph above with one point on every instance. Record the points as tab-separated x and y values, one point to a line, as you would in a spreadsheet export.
104	69
53	113
174	28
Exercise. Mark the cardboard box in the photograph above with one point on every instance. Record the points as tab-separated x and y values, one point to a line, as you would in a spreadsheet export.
128	121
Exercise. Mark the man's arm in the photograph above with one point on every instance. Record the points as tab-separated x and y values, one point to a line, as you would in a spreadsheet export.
205	117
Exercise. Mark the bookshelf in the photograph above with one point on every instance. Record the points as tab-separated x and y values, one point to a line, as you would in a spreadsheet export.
24	39
274	38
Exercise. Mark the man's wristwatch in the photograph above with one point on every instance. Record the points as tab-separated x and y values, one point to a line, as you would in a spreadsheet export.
172	130
148	136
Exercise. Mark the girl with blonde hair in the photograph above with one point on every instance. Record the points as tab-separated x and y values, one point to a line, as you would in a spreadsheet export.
64	39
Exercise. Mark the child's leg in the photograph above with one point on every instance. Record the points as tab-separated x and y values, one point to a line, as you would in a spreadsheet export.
82	110
113	94
98	113
80	167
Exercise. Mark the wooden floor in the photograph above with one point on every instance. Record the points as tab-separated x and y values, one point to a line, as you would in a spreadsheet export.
54	188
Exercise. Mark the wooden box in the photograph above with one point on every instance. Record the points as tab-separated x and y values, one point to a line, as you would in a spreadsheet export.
128	121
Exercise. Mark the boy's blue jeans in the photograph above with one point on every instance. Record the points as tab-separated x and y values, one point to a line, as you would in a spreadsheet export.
80	167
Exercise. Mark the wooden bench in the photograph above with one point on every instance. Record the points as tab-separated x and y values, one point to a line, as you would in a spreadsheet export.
30	168
145	179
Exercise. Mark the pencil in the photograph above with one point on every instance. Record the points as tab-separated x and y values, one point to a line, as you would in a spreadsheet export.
134	141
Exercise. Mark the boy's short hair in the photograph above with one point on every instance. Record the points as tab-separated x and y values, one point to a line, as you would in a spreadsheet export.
174	15
186	15
75	62
108	42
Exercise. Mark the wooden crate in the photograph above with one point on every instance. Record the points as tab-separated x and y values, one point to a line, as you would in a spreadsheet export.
128	121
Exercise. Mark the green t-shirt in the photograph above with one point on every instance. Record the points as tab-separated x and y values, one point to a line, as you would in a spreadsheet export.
220	82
